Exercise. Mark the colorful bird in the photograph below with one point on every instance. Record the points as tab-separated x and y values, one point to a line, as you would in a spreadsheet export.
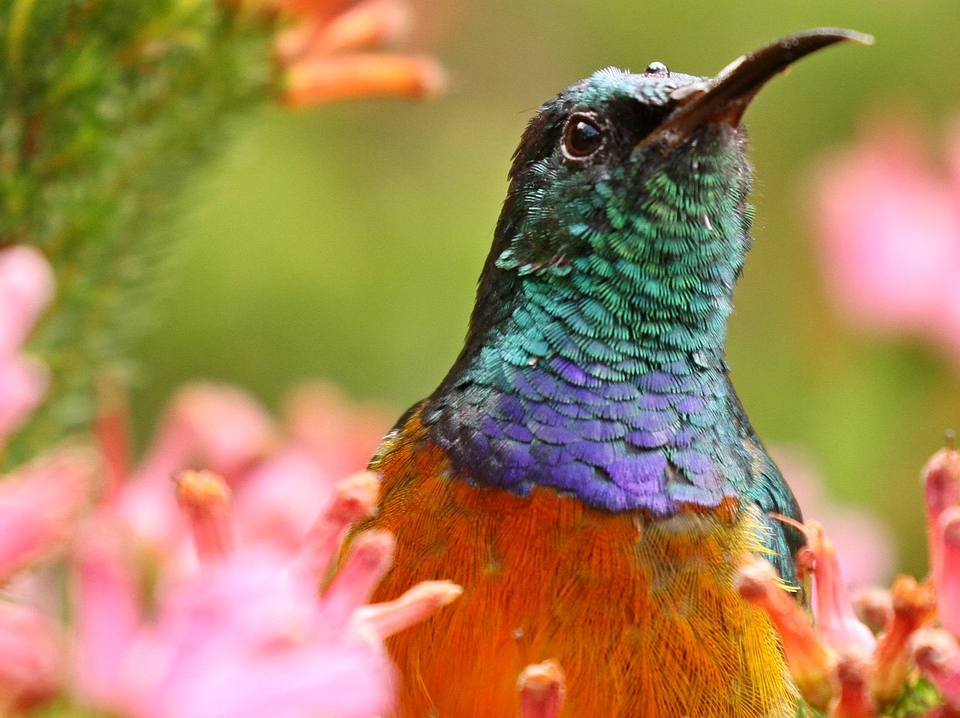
585	470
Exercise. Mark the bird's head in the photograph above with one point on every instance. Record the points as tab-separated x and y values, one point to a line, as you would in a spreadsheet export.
642	175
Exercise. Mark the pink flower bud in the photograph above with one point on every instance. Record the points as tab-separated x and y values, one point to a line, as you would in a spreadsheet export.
836	620
938	656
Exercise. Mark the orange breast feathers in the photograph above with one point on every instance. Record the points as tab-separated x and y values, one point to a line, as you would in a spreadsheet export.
641	614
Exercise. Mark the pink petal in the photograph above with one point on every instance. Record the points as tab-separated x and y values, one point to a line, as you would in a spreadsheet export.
39	505
106	601
382	620
23	384
26	287
353	498
31	651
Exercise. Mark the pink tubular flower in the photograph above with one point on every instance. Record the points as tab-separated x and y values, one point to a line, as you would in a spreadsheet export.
325	54
247	635
40	505
833	610
278	476
889	228
26	287
941	492
948	587
839	666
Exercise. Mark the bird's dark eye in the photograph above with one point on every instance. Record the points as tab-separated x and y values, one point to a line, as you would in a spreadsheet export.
582	136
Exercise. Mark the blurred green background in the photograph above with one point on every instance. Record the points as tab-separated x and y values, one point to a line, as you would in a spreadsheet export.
344	242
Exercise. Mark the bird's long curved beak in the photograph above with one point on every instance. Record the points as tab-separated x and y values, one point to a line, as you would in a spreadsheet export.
726	96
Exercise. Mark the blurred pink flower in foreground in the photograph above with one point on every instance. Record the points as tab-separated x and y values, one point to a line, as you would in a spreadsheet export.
279	474
245	628
889	228
249	634
26	288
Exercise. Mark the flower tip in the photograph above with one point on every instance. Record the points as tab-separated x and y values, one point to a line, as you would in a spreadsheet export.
874	606
934	649
542	688
936	653
413	607
355	497
755	579
854	701
372	550
26	287
912	601
201	490
941	480
205	498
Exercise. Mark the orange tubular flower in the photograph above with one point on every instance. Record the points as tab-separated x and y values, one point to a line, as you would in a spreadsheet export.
327	53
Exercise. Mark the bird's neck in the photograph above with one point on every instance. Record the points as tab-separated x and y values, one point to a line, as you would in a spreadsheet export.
604	375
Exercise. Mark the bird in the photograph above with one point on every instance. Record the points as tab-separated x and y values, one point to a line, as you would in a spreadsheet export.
585	470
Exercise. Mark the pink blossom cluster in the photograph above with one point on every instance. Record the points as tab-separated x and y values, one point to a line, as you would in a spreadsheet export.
860	654
888	221
185	601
